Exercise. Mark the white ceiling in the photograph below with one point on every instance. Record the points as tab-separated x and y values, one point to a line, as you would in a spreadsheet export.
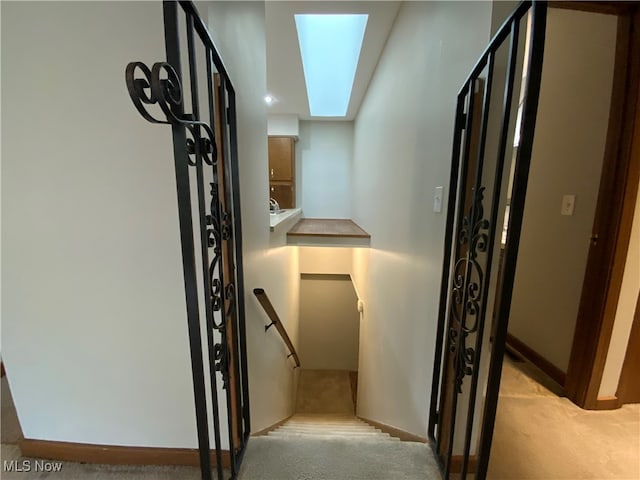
285	77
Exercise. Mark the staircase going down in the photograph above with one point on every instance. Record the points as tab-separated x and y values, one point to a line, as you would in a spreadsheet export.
324	440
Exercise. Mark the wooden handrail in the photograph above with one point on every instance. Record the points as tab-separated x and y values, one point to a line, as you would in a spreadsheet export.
275	320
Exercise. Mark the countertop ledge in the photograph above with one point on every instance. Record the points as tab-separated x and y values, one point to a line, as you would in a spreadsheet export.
328	232
284	215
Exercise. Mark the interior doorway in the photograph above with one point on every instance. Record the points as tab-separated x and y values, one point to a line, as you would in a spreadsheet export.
478	279
541	431
574	247
563	187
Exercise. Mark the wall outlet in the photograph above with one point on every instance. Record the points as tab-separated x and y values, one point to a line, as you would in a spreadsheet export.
568	204
437	199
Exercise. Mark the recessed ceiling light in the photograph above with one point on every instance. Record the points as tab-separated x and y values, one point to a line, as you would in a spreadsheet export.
268	99
330	46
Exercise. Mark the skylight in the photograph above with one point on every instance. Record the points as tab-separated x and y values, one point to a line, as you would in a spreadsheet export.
330	47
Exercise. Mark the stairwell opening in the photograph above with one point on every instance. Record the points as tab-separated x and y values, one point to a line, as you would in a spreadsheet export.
329	344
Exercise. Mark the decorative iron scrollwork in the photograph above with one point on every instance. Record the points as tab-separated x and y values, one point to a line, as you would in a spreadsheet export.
204	149
468	286
222	360
161	86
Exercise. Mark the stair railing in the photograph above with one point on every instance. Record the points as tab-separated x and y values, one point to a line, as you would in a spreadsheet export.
263	298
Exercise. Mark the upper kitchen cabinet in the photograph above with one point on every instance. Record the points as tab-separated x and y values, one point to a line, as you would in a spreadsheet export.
282	171
281	159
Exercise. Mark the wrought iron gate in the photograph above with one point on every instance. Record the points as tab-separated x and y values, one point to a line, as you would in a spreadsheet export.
205	154
471	269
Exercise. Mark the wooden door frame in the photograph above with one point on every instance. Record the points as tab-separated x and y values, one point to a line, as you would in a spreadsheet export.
628	391
614	212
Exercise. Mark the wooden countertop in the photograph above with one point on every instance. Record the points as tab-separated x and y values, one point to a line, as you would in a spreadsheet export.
324	227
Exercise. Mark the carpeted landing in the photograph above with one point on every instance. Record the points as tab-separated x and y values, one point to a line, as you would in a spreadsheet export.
542	436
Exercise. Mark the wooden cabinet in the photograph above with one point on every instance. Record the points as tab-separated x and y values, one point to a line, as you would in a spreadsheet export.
283	194
281	159
282	171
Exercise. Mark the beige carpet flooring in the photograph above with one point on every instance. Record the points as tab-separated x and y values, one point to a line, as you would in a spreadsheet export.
542	436
82	471
270	458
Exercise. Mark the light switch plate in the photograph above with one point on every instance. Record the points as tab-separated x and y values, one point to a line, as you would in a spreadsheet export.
568	204
437	199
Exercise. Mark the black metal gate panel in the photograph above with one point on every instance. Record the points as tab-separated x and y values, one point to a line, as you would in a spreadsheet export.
469	318
199	104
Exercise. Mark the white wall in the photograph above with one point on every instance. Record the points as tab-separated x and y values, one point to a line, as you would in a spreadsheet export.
329	320
402	149
568	150
329	323
323	169
283	125
239	31
625	311
326	260
93	319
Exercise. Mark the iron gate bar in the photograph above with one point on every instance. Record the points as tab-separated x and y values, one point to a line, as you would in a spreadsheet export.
516	212
236	366
478	212
181	159
204	237
237	226
448	235
211	325
461	201
225	340
460	125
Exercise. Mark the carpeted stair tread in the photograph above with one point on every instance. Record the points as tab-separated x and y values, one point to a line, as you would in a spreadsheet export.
352	428
333	431
320	422
328	436
330	432
326	419
329	427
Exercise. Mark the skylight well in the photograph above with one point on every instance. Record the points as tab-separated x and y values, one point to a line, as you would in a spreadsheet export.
330	45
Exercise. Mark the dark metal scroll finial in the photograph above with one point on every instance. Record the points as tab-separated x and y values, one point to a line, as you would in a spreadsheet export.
161	86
